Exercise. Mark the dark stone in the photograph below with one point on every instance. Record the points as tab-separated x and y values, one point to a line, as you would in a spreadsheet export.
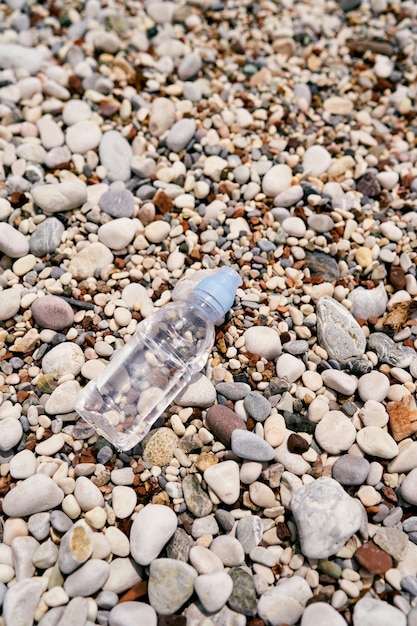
179	545
397	277
368	185
299	424
372	558
243	597
222	421
322	265
196	499
358	367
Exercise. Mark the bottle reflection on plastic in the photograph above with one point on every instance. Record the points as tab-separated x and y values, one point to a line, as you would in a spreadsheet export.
146	375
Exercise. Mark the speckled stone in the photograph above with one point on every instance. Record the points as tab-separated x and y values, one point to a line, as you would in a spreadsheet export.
196	499
222	421
158	446
171	584
52	312
338	332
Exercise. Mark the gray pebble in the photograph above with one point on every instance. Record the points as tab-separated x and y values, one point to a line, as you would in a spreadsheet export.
180	134
116	155
257	406
351	470
233	391
249	532
117	203
247	445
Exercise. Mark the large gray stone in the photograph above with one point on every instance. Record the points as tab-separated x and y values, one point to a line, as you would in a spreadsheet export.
338	332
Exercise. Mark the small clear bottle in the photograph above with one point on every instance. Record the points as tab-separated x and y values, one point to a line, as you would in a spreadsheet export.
145	375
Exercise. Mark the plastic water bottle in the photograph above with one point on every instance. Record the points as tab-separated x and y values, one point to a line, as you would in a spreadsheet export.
144	376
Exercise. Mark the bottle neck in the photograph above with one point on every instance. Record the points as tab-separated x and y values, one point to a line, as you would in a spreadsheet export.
204	308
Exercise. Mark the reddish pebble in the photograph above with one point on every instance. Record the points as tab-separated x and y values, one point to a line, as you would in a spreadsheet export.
222	421
372	558
402	418
52	312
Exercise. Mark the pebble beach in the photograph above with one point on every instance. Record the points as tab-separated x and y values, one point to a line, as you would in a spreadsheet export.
144	145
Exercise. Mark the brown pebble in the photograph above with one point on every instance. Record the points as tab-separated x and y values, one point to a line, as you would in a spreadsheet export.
297	444
402	418
222	421
397	277
372	558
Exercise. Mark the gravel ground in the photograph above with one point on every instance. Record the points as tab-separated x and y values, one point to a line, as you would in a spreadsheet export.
143	145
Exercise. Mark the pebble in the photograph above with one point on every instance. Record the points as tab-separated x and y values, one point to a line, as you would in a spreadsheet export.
373	386
12	242
263	341
336	516
339	381
139	612
65	358
117	203
371	612
316	160
87	494
47	237
289	367
318	612
21	600
350	469
388	351
118	233
123	501
11	432
199	392
52	312
94	257
60	197
373	559
367	303
335	432
213	590
10	303
153	526
35	494
248	445
338	332
277	179
180	134
223	479
115	155
87	579
196	499
375	441
222	422
285	602
409	487
228	549
23	464
171	584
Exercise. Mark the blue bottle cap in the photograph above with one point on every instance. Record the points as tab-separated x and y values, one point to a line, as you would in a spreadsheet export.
219	290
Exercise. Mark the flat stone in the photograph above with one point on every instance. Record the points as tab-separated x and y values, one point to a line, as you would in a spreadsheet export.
52	445
263	341
204	560
152	528
47	237
23	464
128	613
373	413
372	558
351	470
335	432
402	418
62	399
171	584
371	612
233	391
319	613
76	611
213	590
158	446
118	233
388	351
83	136
224	480
60	197
23	549
93	257
316	160
117	203
180	134
199	392
409	487
243	597
326	517
373	386
339	381
222	422
377	442
124	500
65	358
116	155
124	574
179	546
249	531
16	56
257	406
406	459
368	303
33	495
75	548
338	332
289	367
10	303
87	579
277	179
12	242
52	312
20	602
285	602
196	499
228	549
247	445
323	265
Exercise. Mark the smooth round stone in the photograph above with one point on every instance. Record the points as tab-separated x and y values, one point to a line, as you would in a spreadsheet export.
312	380
405	460
156	232
195	497
263	341
409	487
205	561
247	445
200	392
153	526
351	470
316	160
87	579
119	543
276	180
124	573
83	136
189	66
62	400
228	549
388	180
10	302
250	471
11	432
373	386
373	413
222	422
368	303
56	156
47	237
261	495
117	203
284	603
23	464
92	258
12	242
339	381
377	442
289	197
321	223
274	430
233	391
75	111
21	599
33	495
171	584
136	296
60	197
118	233
128	613
162	116
204	526
223	479
65	358
213	590
46	555
371	612
294	227
124	500
336	517
335	432
180	134
115	155
39	525
52	312
50	133
320	613
338	332
87	494
257	406
17	56
50	446
391	231
290	367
